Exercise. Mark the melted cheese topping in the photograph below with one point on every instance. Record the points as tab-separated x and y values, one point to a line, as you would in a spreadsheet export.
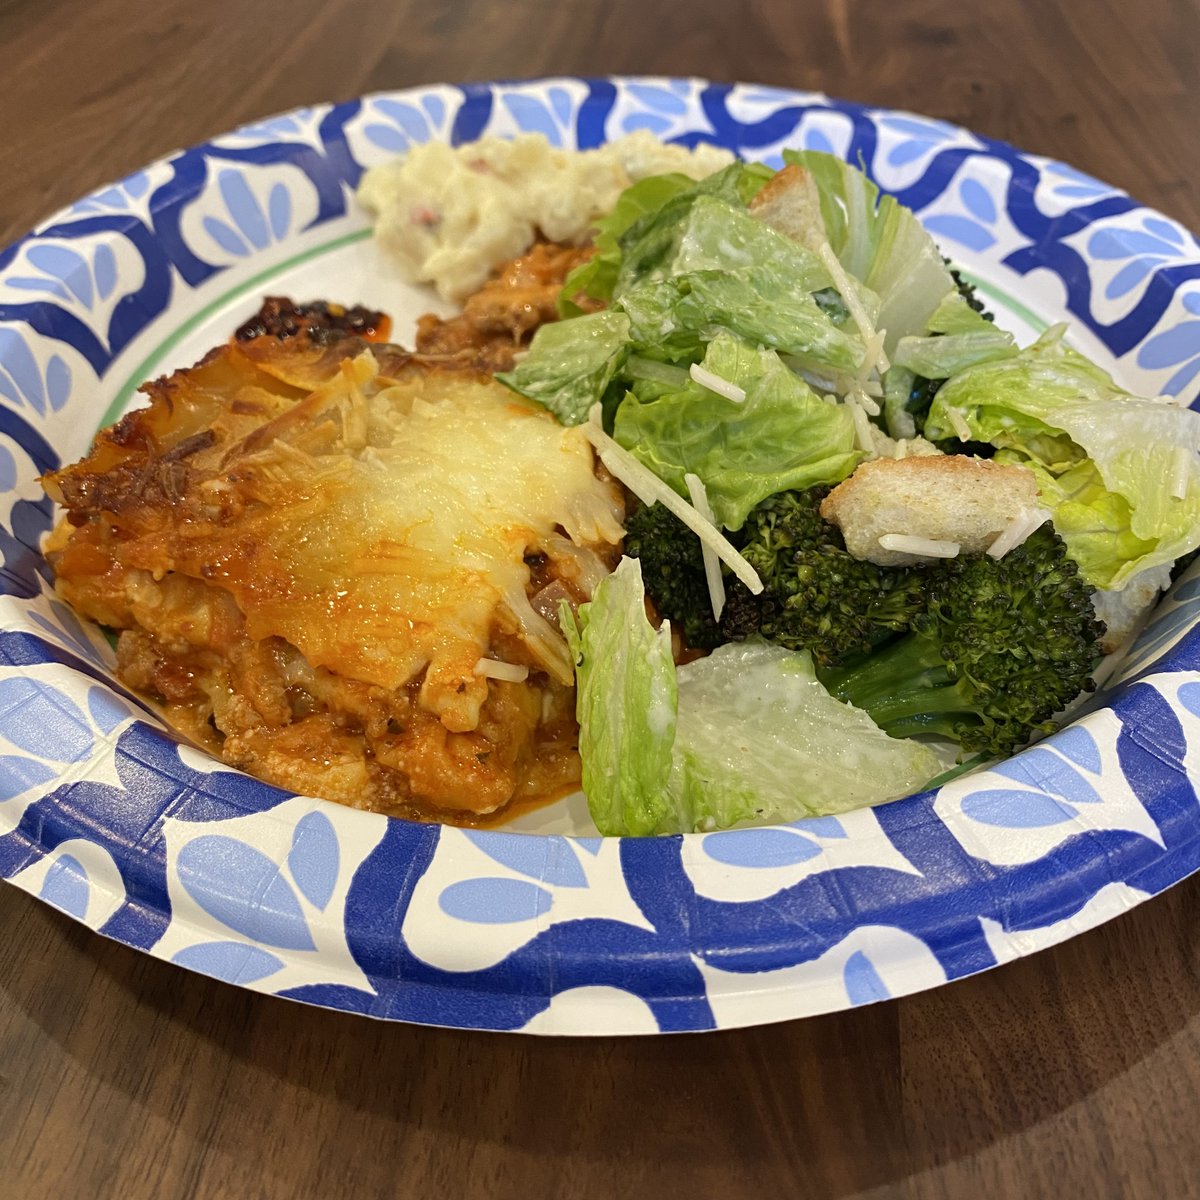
336	573
397	558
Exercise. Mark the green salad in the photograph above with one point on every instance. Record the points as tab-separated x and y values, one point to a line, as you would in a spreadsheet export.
754	356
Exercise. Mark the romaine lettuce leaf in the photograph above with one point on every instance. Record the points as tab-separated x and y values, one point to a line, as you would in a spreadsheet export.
718	236
1032	390
570	364
781	436
653	239
941	357
955	315
759	738
897	389
626	699
723	270
1094	522
1118	460
746	733
881	243
598	276
715	266
959	338
674	318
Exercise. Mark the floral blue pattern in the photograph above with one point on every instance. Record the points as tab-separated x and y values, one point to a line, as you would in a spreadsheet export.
403	126
314	858
1178	346
247	227
66	886
972	226
104	816
234	962
24	382
119	197
863	985
760	847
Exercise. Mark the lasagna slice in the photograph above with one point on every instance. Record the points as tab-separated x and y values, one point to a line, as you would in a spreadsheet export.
338	566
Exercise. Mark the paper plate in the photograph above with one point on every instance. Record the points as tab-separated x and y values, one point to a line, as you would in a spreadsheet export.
105	816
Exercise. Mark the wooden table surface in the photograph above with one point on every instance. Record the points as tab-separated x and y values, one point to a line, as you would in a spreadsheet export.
1073	1073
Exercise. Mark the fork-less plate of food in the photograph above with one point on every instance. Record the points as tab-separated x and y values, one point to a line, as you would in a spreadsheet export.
599	556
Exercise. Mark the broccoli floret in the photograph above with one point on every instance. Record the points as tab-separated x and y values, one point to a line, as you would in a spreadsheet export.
967	290
1003	645
673	573
816	596
920	399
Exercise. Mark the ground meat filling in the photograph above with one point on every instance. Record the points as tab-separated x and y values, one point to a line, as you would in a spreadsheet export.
498	321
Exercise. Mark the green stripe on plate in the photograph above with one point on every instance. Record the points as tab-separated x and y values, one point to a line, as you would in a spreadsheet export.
1004	300
148	368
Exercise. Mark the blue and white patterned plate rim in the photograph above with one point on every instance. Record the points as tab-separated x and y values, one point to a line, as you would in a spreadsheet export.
106	817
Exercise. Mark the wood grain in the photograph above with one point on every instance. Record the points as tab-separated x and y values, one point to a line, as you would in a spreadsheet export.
1075	1072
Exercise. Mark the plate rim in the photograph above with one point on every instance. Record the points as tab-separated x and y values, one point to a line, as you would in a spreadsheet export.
803	99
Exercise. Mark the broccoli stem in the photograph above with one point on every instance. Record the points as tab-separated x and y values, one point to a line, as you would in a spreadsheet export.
1001	647
905	688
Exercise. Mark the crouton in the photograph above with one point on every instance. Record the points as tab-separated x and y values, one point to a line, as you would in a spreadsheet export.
950	499
790	204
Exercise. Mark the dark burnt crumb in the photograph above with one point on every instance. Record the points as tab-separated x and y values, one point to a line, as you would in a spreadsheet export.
324	322
191	445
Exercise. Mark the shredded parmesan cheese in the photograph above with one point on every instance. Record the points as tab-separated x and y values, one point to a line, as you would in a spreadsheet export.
915	447
867	402
1182	474
714	383
492	668
962	430
862	427
1016	531
905	543
712	565
874	358
649	489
